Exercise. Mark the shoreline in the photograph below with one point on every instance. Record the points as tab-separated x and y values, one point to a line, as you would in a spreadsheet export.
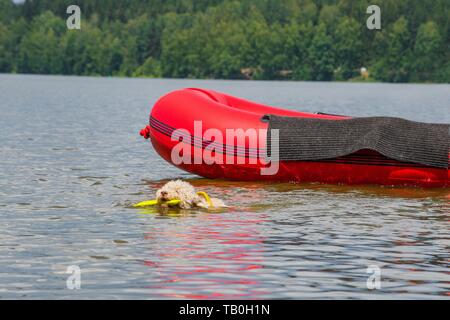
226	79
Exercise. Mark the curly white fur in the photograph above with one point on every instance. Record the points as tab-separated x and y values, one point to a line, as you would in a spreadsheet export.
186	193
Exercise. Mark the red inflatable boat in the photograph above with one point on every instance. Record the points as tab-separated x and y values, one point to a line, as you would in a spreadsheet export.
213	135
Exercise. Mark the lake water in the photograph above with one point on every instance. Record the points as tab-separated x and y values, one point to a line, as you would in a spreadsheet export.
71	162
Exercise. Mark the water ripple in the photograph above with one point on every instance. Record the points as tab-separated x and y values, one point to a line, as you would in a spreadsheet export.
65	196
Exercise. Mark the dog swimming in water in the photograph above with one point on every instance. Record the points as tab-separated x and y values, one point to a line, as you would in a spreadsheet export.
187	195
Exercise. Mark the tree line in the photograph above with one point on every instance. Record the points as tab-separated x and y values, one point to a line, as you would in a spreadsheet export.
254	39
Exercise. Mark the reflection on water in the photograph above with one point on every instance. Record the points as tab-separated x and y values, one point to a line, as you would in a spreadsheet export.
67	184
220	260
286	251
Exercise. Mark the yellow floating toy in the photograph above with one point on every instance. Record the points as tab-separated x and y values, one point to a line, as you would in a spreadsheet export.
207	198
171	203
155	202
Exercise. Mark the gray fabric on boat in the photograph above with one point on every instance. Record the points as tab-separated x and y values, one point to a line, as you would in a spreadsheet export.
305	139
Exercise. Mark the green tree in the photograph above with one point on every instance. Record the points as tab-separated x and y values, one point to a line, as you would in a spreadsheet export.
7	11
6	59
150	69
443	73
348	48
141	39
296	45
329	16
223	51
256	31
321	56
308	12
264	39
274	57
39	50
393	58
427	52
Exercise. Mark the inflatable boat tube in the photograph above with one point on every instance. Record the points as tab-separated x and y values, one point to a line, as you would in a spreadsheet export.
213	135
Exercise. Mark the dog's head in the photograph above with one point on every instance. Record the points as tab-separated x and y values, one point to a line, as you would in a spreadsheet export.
176	190
162	196
165	194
